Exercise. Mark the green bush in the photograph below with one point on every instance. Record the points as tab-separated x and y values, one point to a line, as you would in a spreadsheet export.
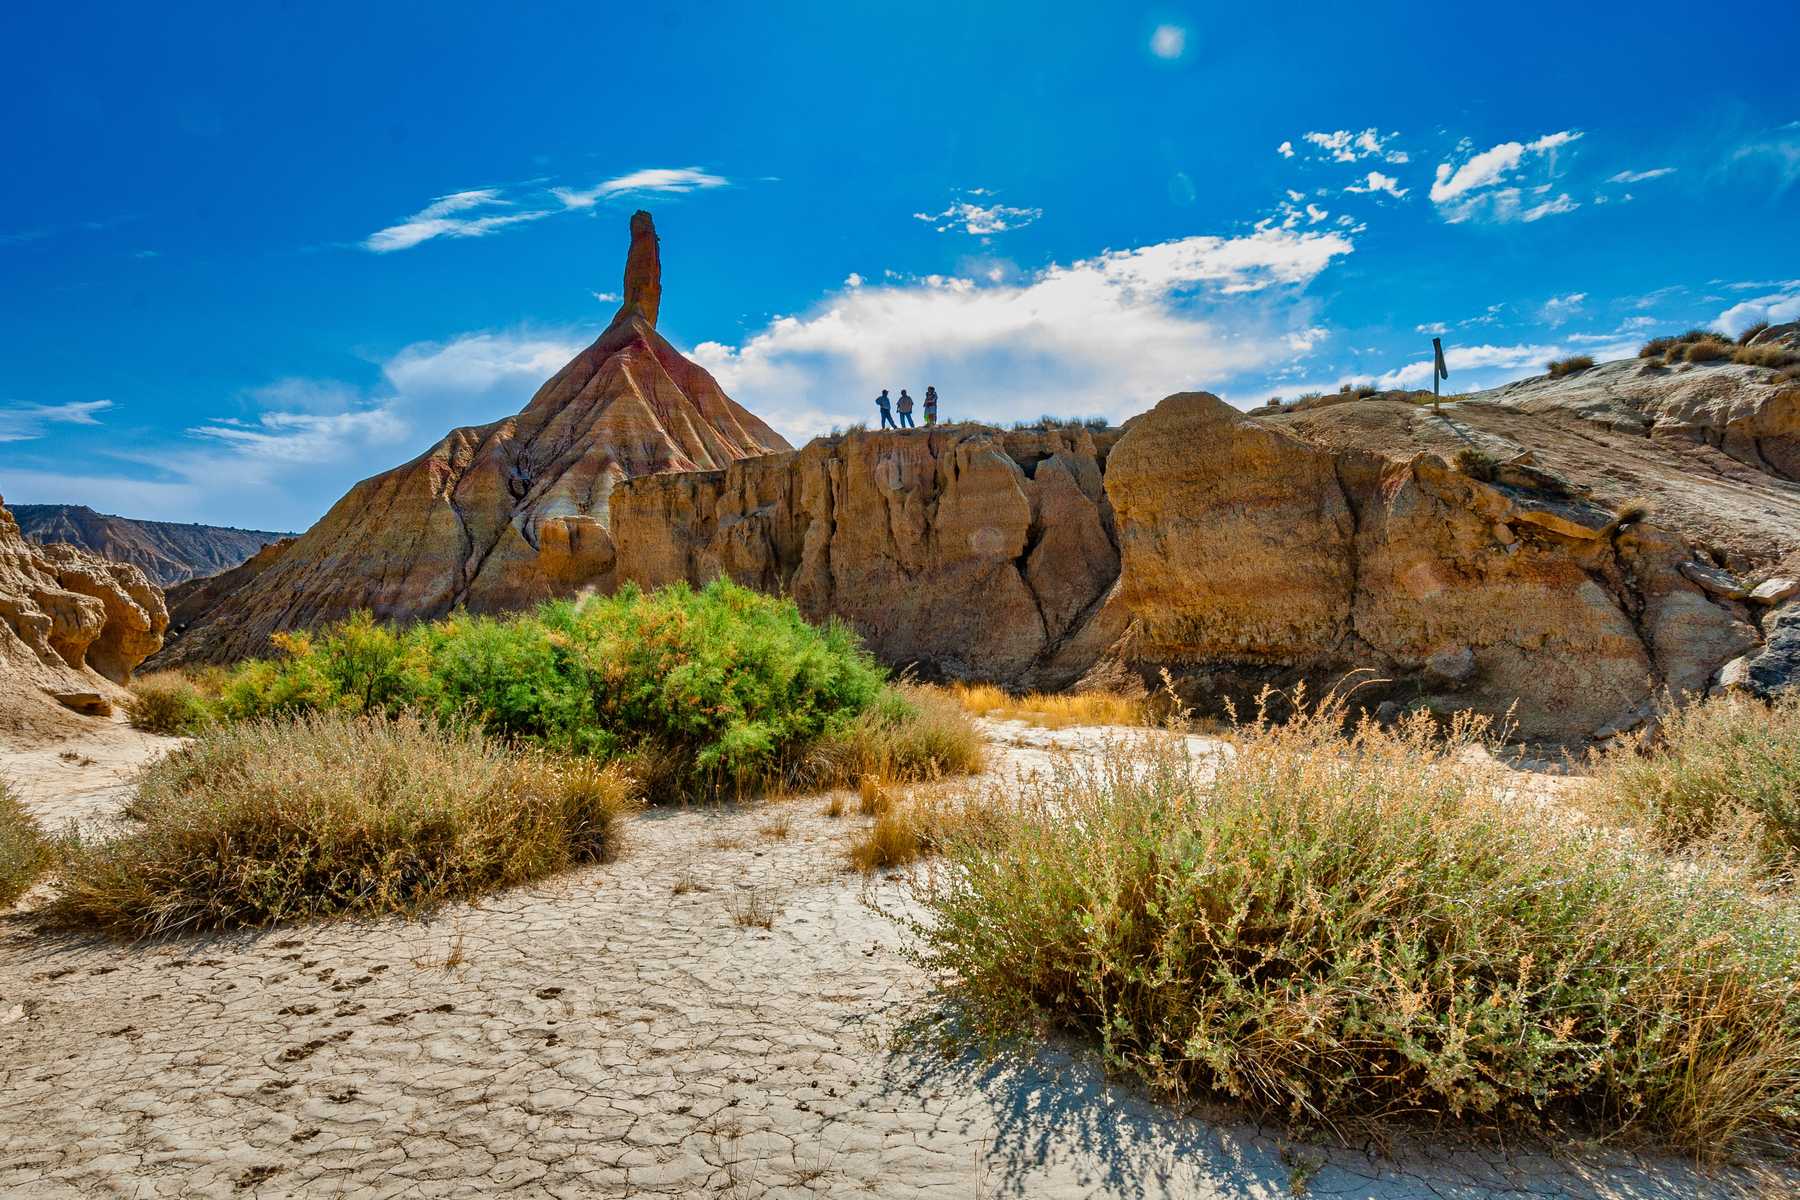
167	703
1715	766
1370	926
328	814
709	691
24	851
1568	366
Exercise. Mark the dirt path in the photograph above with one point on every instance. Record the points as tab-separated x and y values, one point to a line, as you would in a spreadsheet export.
614	1032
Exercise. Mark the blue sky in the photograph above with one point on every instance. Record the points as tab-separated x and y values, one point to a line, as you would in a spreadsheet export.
250	254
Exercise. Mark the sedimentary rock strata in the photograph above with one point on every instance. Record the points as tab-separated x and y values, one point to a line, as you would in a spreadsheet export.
497	517
72	626
167	552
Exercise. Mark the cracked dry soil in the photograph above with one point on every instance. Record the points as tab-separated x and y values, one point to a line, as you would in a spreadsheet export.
621	1031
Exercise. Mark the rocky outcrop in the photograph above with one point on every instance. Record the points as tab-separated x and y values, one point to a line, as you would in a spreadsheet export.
72	626
970	552
500	516
167	552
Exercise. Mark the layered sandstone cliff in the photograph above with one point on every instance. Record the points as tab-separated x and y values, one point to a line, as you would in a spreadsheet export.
499	516
72	626
1468	557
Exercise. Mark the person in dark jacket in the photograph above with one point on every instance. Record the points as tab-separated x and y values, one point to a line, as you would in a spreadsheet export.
930	406
906	407
887	412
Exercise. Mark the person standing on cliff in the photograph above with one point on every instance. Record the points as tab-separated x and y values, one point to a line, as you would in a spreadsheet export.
906	407
887	412
930	406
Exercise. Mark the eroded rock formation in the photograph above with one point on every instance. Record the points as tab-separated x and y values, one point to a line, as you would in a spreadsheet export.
972	552
167	552
497	517
72	626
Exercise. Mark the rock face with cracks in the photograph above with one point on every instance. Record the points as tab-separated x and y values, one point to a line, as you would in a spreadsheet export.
497	517
72	626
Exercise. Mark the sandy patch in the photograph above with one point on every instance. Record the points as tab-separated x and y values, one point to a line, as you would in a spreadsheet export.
613	1032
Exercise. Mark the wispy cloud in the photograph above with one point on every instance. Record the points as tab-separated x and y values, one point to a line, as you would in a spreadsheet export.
1558	309
441	218
665	180
25	422
1472	189
982	220
479	212
1111	333
1640	176
1777	151
1342	145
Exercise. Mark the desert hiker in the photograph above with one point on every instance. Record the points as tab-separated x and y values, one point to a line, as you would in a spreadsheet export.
887	412
906	406
930	406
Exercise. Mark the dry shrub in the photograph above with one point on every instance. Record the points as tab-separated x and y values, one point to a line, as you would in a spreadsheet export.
1707	350
908	828
1054	710
1716	767
1773	357
167	702
24	850
269	821
1568	366
909	734
1749	335
1340	927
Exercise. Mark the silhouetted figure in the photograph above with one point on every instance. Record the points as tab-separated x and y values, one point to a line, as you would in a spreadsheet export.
887	411
930	406
906	407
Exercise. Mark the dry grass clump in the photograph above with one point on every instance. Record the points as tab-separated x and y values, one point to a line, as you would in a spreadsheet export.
167	702
1708	345
1366	926
910	733
328	814
1054	710
1560	367
1717	767
24	850
908	828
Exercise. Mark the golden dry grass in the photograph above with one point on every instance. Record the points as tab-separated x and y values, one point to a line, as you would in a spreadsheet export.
1054	710
910	827
269	821
24	850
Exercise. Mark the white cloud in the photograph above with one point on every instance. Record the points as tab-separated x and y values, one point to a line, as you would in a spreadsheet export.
1286	149
1169	41
303	442
1640	176
665	180
1777	308
1109	334
1315	214
26	422
1341	145
1377	182
1434	328
440	219
1471	190
1464	359
607	297
1558	309
978	219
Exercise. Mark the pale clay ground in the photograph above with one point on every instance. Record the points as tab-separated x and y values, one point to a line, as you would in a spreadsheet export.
616	1032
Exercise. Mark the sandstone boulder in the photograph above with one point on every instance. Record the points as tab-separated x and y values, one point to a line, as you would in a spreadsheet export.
72	626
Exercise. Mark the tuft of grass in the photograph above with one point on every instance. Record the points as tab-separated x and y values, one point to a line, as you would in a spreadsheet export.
1058	710
1715	766
1340	926
910	734
1707	350
1749	335
1773	357
328	814
167	703
909	828
1560	367
753	910
1673	348
25	852
1477	463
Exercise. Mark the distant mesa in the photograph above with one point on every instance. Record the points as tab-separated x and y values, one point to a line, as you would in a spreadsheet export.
167	552
500	516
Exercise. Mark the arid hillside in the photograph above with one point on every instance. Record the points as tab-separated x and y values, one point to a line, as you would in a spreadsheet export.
167	552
